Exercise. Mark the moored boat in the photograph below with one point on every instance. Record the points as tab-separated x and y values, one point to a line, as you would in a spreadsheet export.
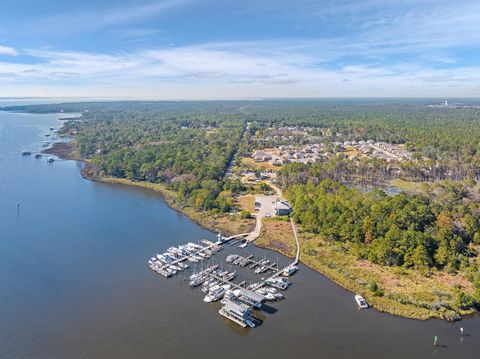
215	293
362	303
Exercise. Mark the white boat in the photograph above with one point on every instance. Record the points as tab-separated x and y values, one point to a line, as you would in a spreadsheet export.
362	303
291	269
215	293
192	259
250	323
182	265
279	282
274	292
208	284
171	270
196	281
229	276
243	245
164	258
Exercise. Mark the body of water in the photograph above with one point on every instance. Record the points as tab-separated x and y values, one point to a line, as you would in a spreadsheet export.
74	281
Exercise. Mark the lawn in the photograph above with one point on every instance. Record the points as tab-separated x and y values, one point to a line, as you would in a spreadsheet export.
247	203
266	166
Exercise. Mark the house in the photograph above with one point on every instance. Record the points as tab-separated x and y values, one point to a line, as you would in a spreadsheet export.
282	208
260	156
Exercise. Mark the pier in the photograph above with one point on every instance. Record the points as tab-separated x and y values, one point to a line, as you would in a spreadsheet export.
240	301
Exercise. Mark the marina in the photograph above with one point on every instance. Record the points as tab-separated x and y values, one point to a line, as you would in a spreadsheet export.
239	300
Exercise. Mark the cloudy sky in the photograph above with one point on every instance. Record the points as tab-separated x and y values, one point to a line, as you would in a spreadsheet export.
239	48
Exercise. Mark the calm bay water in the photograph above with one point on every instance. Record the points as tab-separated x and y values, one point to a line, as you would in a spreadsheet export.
74	282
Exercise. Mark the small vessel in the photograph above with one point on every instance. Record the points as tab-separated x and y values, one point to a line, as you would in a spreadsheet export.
50	159
291	269
243	245
26	153
231	258
38	155
274	292
238	260
192	259
279	282
229	276
250	323
171	270
164	258
245	262
163	272
215	293
182	265
208	284
362	303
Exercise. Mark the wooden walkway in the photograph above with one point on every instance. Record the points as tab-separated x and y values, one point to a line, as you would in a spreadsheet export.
297	255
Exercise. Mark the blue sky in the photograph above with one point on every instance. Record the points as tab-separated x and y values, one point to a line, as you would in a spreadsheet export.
238	49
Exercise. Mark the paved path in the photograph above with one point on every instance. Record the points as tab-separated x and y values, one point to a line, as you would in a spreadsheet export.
266	210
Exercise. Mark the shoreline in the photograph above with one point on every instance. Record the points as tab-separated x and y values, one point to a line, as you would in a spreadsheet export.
383	303
211	221
230	226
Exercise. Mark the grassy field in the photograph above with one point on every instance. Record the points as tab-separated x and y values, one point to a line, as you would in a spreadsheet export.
247	203
351	151
277	235
259	165
407	186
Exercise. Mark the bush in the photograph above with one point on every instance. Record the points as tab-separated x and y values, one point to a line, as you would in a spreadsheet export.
245	215
373	286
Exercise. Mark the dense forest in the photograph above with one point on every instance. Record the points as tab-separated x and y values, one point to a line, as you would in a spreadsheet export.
438	229
188	153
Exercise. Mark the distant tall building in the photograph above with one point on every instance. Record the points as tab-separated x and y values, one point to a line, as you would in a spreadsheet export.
446	103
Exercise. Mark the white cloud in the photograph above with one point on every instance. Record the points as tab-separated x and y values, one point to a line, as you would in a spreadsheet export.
398	50
8	51
227	70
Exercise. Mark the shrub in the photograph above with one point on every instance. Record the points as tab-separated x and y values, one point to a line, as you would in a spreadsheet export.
245	215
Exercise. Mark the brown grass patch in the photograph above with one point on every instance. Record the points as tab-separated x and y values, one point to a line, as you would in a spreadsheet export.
277	235
247	203
266	166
